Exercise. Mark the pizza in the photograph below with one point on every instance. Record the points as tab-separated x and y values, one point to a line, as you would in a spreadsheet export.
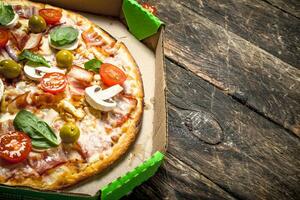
71	97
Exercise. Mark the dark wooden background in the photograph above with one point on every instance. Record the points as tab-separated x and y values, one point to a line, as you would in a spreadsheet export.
233	94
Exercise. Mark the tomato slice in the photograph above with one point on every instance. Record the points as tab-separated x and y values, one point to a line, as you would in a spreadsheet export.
4	35
54	82
150	8
51	16
111	75
14	146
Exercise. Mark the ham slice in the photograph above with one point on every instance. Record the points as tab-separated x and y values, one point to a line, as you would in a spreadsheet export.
79	79
17	171
19	37
41	162
125	105
91	144
25	41
25	11
6	127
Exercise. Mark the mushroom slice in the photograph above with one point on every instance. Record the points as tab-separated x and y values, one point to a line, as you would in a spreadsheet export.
36	73
101	99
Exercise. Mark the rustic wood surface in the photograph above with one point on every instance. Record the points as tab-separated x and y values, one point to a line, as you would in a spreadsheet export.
233	89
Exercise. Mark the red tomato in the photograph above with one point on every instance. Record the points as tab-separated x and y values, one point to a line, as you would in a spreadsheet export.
51	16
150	8
111	75
4	35
54	82
15	146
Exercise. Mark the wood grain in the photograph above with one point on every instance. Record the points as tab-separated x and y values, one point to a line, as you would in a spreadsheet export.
256	159
241	69
290	6
221	147
256	21
176	180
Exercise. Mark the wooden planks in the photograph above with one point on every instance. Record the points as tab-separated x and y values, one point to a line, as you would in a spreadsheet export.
241	69
220	149
258	22
290	6
251	157
234	123
176	180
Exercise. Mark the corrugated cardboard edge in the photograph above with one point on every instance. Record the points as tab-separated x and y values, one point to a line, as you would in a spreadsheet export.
160	108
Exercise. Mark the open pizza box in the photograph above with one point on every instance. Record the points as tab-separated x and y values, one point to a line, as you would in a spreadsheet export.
142	33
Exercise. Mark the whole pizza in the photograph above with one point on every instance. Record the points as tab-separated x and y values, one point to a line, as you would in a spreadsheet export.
71	96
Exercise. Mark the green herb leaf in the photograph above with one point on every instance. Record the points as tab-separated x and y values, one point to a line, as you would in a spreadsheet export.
36	58
6	14
42	136
63	35
93	65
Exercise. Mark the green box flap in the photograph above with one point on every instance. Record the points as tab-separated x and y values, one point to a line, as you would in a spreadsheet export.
123	185
141	23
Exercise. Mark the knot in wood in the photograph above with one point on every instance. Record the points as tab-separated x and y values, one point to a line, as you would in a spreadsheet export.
204	126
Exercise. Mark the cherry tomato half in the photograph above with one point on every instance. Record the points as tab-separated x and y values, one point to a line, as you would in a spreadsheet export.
111	75
54	82
51	16
14	146
150	8
4	35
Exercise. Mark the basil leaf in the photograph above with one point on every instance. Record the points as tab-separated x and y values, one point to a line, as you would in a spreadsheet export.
41	144
6	14
36	58
93	65
42	136
63	35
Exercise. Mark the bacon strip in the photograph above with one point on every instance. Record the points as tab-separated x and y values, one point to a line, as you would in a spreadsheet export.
44	161
25	11
79	79
92	38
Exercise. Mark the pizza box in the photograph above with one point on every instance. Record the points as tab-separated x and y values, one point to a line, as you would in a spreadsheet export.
142	33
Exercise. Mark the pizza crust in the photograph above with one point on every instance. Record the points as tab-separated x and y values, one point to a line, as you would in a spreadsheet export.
71	173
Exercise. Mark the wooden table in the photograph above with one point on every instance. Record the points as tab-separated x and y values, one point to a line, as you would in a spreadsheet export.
233	94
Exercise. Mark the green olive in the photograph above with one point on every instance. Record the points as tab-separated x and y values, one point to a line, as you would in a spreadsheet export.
69	133
10	69
37	24
64	59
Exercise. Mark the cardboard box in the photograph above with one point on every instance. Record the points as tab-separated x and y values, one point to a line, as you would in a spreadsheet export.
146	154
